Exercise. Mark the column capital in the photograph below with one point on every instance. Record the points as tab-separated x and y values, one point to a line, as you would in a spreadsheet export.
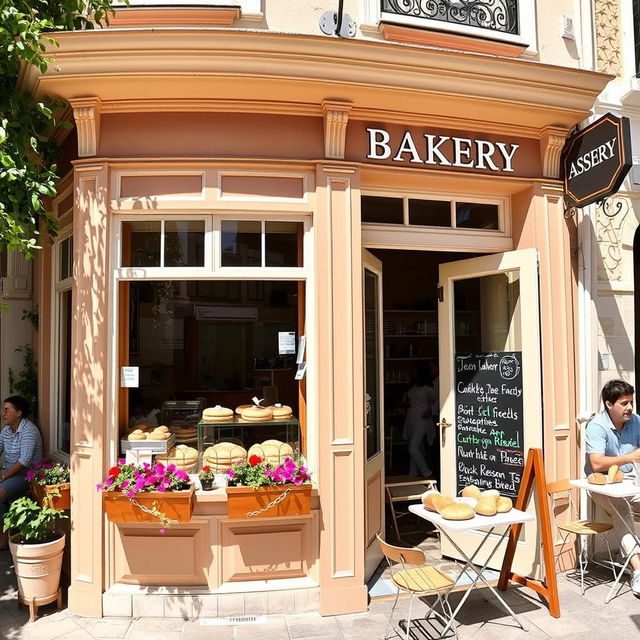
336	116
86	112
551	144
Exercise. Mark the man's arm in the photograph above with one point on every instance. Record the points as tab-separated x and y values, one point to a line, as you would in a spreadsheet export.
601	463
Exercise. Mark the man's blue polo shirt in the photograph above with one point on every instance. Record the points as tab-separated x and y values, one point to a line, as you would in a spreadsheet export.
602	437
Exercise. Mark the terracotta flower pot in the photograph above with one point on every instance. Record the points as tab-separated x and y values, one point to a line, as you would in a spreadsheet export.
37	568
56	496
176	505
245	502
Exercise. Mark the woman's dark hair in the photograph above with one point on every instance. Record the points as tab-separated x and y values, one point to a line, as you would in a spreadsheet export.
613	389
20	403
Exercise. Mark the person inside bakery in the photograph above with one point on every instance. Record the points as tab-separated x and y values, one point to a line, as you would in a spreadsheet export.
21	443
419	429
613	440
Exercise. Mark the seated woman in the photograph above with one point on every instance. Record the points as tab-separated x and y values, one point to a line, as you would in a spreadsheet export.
21	443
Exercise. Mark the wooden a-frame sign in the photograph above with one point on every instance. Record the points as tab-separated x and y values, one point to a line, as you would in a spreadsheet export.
548	588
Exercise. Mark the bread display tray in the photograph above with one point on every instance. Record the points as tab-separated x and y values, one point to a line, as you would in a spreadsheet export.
155	446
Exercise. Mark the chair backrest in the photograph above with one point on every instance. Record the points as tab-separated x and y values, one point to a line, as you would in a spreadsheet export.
557	490
403	555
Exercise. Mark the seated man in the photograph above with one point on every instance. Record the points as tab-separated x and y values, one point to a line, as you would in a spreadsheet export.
21	443
613	437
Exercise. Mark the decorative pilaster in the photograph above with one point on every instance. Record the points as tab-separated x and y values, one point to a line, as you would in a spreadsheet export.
551	144
608	35
86	112
338	374
90	339
336	116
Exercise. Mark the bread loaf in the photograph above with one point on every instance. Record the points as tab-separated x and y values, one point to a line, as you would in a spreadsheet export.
217	414
440	502
457	511
136	436
487	506
472	502
221	456
471	491
271	451
611	474
504	504
597	478
281	411
257	414
427	499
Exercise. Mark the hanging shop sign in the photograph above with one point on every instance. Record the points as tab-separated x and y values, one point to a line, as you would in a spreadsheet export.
596	160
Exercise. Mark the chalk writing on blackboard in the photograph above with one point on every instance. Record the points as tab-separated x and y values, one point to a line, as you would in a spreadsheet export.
489	421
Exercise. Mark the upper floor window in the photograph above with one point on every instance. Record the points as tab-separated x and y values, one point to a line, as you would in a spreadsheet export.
492	15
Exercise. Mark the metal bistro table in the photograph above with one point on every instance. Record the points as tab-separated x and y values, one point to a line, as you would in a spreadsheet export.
626	490
477	523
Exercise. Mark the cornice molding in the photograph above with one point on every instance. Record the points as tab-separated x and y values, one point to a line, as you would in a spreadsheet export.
336	116
139	64
551	143
175	16
86	112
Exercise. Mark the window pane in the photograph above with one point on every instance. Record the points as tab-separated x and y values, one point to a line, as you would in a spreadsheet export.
471	215
283	244
64	372
241	243
432	213
141	244
377	209
65	257
184	243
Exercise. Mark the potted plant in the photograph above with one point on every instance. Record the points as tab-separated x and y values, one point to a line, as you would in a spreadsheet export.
37	550
258	489
147	493
50	484
206	477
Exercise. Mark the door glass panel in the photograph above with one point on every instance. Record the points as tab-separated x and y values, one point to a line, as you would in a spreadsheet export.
488	382
372	363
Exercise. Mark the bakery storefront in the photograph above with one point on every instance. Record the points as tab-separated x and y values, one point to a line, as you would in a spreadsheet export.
305	243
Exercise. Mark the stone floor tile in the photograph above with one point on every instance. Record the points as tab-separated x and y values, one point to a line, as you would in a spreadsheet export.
314	626
111	628
195	630
116	604
156	624
48	628
274	627
363	626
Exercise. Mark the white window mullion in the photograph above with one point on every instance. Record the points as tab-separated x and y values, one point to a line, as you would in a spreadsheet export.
162	243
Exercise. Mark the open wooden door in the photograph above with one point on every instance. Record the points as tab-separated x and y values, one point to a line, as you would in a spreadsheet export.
490	381
373	410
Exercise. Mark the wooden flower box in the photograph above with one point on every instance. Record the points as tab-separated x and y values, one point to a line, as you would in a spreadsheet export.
245	502
56	496
176	505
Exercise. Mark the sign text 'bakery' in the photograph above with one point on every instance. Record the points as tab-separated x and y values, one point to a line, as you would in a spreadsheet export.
441	150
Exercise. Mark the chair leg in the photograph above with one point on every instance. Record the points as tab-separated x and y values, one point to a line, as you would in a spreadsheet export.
409	616
395	602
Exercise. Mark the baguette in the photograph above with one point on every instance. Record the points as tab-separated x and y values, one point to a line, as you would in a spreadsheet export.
597	478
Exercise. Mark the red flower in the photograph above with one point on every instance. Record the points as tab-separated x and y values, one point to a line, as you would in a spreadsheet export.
114	471
255	460
206	469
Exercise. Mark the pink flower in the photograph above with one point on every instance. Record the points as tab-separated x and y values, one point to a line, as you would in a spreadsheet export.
163	531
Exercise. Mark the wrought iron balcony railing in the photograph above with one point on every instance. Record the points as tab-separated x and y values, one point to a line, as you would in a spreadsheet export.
492	15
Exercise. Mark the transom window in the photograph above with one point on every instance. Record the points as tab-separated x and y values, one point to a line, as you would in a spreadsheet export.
422	212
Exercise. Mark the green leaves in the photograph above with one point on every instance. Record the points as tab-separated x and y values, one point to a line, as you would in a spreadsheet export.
34	523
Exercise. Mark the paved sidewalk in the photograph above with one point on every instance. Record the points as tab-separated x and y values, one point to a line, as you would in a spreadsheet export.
480	619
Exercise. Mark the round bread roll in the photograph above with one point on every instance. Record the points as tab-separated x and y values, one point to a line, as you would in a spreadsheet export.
471	491
142	428
157	436
183	457
597	478
490	492
137	436
162	429
486	507
217	414
611	474
504	504
271	451
240	408
440	502
138	431
457	511
257	414
222	455
427	499
472	502
619	477
281	411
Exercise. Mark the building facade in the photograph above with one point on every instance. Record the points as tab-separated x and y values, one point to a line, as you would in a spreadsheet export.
239	175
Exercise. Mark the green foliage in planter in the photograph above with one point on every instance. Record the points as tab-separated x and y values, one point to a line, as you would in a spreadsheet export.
35	524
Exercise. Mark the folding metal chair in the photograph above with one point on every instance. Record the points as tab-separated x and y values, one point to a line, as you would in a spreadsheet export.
404	489
583	529
411	573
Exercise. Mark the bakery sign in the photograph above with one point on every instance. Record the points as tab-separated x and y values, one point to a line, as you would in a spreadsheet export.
596	160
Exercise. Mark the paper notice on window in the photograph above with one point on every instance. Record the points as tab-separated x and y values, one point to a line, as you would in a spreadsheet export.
130	377
300	371
302	342
286	343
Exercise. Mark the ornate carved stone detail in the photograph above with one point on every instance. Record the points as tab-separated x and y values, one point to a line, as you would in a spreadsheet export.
336	116
551	144
608	36
17	283
610	218
86	112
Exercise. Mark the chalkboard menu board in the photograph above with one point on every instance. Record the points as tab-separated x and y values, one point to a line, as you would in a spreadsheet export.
489	419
